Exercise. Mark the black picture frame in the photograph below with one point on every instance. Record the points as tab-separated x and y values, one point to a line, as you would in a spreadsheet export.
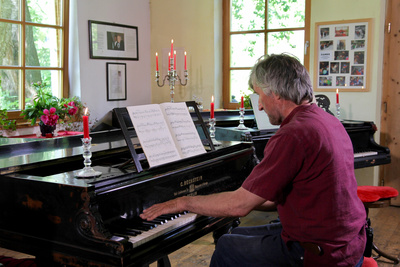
113	41
116	81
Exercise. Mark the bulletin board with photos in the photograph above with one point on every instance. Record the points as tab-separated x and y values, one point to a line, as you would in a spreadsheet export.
342	59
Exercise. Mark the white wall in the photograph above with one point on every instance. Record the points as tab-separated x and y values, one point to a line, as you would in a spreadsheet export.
195	26
88	76
364	106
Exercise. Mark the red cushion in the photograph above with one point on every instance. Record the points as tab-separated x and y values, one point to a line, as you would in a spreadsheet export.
369	193
369	262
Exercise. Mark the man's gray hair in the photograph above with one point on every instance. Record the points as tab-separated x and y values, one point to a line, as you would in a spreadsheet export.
284	75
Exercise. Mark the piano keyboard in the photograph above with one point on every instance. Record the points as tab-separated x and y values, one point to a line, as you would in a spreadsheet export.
144	231
365	154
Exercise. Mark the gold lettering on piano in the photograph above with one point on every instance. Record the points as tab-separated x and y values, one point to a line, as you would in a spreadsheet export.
191	181
191	186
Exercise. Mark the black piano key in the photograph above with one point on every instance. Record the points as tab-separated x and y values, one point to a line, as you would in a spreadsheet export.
167	217
149	224
159	221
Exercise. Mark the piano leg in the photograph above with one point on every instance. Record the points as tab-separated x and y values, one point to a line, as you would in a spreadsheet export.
164	262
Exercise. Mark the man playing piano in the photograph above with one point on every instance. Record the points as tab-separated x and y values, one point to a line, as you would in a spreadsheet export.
307	173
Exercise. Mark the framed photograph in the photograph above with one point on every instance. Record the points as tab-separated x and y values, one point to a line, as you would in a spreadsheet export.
342	55
113	41
116	81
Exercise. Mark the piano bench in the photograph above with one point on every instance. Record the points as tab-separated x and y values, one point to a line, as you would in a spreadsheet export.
369	262
376	197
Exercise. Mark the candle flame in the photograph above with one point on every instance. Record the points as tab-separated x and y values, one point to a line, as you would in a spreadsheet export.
185	53
212	98
86	111
172	41
337	91
174	52
156	54
169	54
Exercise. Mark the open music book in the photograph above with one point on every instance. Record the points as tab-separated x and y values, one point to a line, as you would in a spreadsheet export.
166	132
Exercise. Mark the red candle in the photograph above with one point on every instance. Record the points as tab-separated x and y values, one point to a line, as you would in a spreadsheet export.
156	61
185	61
242	103
85	119
169	61
212	108
172	47
337	96
174	60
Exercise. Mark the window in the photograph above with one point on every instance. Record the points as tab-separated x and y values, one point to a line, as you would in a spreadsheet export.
32	49
253	28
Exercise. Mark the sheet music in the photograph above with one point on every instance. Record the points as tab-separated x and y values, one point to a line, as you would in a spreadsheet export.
261	117
183	129
153	133
166	132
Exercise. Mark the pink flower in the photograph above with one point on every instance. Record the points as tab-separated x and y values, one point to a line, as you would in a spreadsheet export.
72	109
49	117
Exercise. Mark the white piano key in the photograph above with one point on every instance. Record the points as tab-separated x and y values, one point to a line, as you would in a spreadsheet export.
162	229
365	154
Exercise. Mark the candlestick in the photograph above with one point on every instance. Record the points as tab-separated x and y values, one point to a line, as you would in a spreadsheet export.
85	120
171	76
241	125
87	171
212	108
212	132
338	111
156	61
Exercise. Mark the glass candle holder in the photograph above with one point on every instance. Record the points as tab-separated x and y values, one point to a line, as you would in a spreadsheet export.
241	125
212	132
338	111
87	171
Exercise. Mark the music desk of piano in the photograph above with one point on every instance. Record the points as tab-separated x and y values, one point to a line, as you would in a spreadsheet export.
47	212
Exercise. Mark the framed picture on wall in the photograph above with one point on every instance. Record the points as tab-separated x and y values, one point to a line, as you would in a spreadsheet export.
113	41
342	55
116	81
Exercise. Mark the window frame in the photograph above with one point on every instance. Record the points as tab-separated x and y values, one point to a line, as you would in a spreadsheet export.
226	46
64	27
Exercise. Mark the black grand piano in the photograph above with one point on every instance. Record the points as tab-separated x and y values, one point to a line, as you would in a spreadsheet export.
367	152
63	220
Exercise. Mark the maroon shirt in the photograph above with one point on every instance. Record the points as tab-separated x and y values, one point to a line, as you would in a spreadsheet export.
308	170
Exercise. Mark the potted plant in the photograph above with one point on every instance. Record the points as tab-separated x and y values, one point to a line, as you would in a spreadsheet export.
50	109
43	99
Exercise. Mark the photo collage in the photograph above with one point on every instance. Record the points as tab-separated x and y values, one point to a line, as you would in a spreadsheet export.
342	55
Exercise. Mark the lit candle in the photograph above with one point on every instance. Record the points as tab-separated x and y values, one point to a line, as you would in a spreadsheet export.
172	47
156	61
174	60
169	61
185	61
242	103
212	108
337	96
85	119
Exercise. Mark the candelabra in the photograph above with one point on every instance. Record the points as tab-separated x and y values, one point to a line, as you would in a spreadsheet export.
241	125
87	171
212	132
172	76
338	111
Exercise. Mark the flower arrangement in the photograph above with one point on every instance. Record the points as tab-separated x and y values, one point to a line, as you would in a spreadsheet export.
52	110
